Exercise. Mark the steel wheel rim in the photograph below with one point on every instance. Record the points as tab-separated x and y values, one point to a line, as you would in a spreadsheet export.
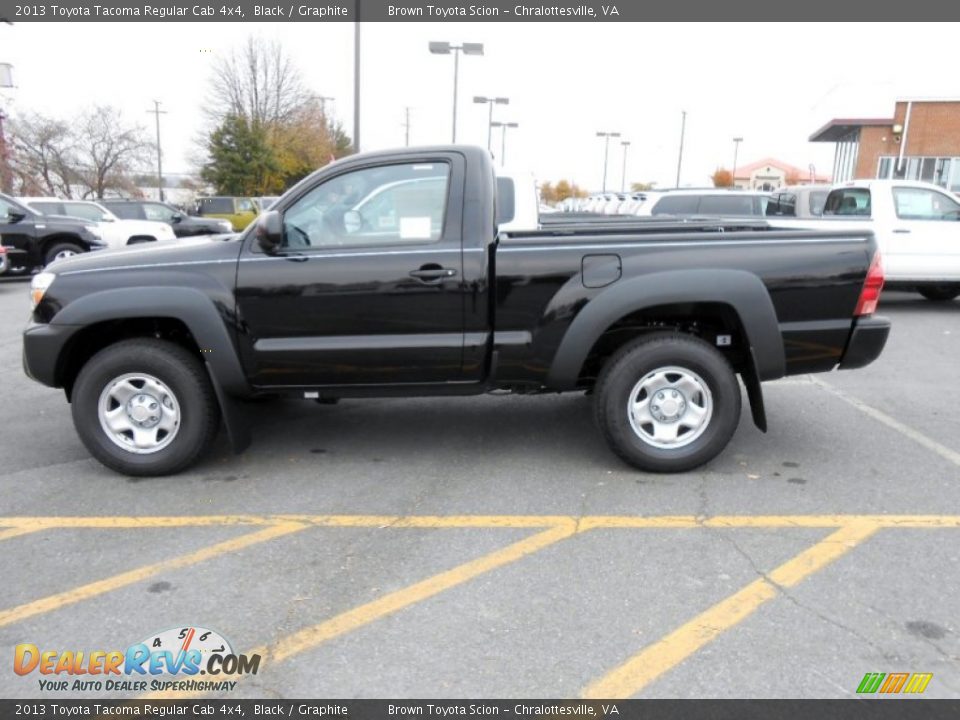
139	413
670	407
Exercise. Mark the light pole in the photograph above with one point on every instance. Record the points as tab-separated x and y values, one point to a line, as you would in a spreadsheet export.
736	148
491	101
606	151
406	126
503	138
445	48
157	112
356	79
683	128
6	81
623	177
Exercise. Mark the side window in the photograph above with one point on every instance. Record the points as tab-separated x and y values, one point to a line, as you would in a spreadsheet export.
817	200
7	208
245	205
676	205
391	204
729	205
125	211
159	213
848	202
923	204
84	211
49	208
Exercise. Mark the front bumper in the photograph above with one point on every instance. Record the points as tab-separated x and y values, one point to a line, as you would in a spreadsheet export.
42	348
866	342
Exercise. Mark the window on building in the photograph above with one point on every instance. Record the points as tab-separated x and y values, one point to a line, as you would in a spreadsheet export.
942	171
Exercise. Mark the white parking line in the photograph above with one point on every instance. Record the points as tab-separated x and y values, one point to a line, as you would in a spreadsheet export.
915	435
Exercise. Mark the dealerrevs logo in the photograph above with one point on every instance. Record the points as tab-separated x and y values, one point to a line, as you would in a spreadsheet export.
170	660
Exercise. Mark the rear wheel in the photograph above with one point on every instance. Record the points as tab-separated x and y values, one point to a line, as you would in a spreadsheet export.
667	403
61	251
939	293
145	407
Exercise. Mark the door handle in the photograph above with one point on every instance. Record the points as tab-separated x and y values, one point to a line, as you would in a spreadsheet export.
901	231
432	273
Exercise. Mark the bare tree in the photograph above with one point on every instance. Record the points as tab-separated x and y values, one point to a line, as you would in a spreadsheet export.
42	155
108	150
258	82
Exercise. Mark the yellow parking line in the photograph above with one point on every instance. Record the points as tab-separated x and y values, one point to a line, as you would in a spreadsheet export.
18	531
85	592
643	668
310	637
532	522
881	417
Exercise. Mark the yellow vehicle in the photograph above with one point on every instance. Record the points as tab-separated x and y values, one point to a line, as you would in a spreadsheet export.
239	211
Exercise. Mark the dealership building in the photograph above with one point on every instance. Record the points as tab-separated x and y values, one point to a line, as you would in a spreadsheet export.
920	142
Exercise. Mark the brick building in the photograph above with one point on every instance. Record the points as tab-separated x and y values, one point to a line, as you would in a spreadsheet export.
920	142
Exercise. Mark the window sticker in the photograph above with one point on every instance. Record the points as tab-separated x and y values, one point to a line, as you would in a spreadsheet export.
415	228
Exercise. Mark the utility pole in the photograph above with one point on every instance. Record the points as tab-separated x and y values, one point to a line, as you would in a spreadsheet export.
6	176
683	128
157	112
406	127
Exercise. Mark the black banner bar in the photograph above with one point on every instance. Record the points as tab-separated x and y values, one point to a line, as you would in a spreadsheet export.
466	11
854	709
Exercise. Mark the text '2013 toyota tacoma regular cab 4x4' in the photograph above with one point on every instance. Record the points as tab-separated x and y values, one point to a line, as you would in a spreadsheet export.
384	274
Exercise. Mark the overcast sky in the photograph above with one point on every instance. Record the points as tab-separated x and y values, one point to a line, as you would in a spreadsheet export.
772	84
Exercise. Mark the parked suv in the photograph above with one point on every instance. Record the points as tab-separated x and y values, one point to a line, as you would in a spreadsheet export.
183	225
240	211
717	203
802	201
116	232
34	240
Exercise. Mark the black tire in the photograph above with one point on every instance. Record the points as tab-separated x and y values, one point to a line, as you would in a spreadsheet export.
61	247
631	364
939	293
181	372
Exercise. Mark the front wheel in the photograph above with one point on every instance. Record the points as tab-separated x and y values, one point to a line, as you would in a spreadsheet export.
939	293
61	251
667	403
145	407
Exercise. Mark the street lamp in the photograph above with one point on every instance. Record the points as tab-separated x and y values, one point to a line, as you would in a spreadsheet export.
491	101
736	148
683	130
6	180
503	138
606	150
623	178
157	112
445	48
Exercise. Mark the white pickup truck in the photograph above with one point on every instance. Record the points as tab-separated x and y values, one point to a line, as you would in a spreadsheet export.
917	226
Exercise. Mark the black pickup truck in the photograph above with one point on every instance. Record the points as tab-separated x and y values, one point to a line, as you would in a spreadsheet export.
384	274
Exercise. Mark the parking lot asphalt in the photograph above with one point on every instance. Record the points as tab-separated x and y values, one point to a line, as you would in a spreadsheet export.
493	547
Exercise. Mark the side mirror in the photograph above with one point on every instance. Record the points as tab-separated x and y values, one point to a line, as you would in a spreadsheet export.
352	221
269	231
176	217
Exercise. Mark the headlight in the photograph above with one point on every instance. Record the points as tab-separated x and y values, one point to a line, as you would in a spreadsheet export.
38	287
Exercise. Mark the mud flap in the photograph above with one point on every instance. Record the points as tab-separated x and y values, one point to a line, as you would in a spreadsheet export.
234	414
755	394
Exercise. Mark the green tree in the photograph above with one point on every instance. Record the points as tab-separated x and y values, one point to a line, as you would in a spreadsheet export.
641	186
241	159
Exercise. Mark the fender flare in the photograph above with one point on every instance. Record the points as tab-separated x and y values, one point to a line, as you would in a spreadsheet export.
741	290
206	323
